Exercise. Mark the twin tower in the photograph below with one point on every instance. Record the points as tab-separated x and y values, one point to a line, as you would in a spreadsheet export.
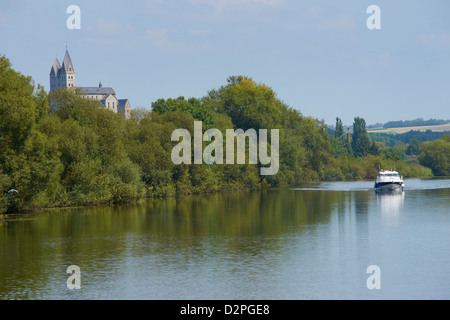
64	77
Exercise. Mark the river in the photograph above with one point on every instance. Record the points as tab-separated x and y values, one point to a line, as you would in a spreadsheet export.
315	241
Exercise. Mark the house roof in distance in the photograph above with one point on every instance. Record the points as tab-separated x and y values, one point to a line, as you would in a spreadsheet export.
97	91
122	102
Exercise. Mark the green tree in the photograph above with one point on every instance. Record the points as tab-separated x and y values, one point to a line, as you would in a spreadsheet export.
436	156
192	106
360	140
92	142
19	108
339	133
29	159
414	147
374	148
394	153
339	142
249	104
305	147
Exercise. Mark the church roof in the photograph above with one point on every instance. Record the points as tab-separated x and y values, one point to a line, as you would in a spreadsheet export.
55	67
98	91
122	102
107	97
67	62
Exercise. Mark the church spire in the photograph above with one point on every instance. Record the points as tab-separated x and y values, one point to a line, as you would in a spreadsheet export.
55	67
62	76
67	63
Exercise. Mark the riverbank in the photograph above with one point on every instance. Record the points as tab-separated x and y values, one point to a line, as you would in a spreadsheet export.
62	150
161	195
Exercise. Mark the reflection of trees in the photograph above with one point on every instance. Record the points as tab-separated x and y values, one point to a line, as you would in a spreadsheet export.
244	224
361	205
265	213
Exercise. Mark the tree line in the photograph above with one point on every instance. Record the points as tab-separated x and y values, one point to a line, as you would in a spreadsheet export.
402	139
60	149
414	123
432	156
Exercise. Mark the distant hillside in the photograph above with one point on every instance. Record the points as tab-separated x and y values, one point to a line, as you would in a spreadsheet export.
392	139
399	130
414	123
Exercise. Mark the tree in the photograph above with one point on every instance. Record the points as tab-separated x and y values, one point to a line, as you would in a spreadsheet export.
360	139
28	158
375	148
340	143
339	133
394	153
414	147
248	104
436	156
18	107
305	147
191	106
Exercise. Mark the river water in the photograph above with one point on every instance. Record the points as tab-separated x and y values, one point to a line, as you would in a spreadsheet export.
314	241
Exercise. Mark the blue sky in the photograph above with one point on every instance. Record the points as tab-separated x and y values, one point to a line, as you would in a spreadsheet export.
318	56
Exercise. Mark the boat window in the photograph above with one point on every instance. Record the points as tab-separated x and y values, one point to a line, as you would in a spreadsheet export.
383	174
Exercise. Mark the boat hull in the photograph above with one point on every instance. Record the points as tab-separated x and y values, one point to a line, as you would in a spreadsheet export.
388	186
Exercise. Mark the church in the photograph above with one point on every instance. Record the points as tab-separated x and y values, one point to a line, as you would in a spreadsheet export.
64	76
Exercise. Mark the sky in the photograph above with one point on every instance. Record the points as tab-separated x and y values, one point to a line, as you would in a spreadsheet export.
318	56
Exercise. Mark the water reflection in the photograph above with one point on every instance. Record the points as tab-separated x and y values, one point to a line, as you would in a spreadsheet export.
276	243
233	229
391	205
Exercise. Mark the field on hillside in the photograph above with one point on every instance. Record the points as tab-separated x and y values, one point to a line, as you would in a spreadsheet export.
438	128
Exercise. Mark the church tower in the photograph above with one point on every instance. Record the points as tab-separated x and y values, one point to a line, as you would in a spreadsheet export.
54	75
62	76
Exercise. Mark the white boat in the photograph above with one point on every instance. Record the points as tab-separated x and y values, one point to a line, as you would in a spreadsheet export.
388	180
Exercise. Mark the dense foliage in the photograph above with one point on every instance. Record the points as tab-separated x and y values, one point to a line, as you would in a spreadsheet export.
63	150
436	155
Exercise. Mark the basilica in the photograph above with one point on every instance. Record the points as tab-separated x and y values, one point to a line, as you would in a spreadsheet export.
64	76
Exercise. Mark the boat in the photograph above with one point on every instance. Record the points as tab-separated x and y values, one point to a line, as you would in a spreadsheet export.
389	180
